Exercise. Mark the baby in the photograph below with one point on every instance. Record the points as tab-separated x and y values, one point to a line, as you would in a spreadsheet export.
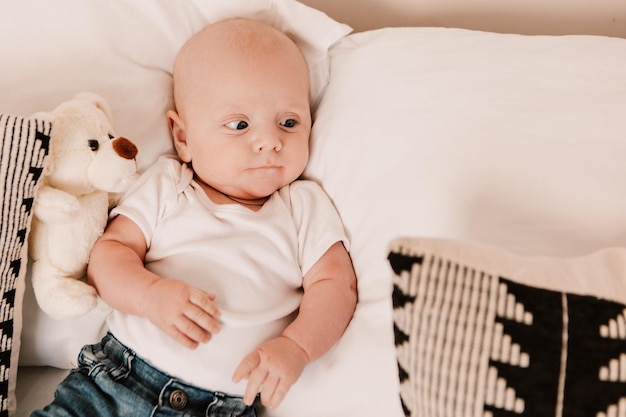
227	274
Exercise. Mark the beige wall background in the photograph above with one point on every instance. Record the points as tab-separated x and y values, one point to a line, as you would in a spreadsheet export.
540	17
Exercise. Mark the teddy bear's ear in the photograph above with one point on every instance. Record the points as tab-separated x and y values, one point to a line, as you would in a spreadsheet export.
47	116
97	101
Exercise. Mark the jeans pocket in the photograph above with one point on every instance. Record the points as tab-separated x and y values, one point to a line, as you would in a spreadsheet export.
96	358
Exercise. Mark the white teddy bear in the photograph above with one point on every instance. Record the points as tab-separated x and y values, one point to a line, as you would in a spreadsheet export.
87	167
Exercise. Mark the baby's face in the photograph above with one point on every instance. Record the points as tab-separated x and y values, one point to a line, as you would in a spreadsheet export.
247	121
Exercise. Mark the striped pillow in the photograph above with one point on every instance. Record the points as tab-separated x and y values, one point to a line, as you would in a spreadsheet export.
23	153
484	333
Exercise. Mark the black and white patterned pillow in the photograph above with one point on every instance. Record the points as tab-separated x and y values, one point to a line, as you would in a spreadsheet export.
23	153
473	340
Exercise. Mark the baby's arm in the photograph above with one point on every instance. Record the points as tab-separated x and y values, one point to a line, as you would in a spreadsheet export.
327	307
116	269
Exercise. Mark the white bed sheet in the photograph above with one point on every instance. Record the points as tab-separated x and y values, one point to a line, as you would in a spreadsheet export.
35	387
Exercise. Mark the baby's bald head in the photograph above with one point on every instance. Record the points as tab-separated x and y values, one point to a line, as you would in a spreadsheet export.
229	44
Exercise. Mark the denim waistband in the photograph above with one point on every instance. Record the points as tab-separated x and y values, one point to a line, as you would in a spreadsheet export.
123	365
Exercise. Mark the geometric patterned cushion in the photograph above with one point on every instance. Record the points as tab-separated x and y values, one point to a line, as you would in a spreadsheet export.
472	342
23	152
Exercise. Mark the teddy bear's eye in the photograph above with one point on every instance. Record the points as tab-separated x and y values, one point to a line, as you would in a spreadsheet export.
93	144
111	136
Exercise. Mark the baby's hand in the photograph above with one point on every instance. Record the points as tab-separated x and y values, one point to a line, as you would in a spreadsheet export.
272	368
183	312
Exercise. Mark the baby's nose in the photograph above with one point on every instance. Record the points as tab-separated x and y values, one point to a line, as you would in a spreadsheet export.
268	141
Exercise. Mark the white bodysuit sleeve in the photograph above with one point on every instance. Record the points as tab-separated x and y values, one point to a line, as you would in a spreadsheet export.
317	221
151	195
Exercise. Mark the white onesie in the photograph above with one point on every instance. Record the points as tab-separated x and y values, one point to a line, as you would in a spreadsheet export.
254	262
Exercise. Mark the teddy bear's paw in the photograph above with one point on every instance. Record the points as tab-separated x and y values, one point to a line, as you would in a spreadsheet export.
66	298
56	206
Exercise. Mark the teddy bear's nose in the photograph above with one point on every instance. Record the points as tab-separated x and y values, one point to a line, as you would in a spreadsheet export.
125	148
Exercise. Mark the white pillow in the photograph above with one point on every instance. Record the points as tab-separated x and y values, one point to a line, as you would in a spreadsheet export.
122	50
511	140
517	141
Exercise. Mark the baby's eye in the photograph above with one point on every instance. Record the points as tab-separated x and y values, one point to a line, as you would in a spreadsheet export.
289	123
237	124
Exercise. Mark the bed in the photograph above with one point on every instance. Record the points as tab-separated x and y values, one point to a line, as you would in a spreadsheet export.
475	151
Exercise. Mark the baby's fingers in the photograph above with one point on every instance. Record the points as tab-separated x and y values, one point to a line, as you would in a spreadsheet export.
198	321
273	391
249	369
204	301
198	325
181	338
247	365
203	313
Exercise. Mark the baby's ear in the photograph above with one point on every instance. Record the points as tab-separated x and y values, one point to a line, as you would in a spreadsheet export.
179	136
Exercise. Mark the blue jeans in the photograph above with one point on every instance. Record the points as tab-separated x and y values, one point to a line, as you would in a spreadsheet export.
112	381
